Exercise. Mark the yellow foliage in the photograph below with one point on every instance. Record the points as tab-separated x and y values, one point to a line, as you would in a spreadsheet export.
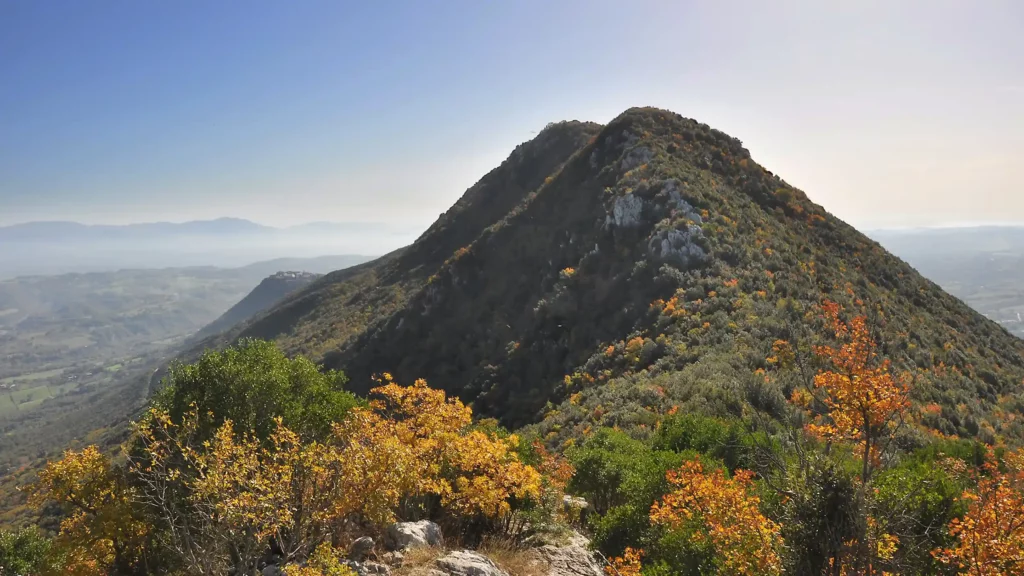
727	512
323	562
101	528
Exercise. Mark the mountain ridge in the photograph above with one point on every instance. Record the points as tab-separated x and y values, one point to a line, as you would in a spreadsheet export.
655	255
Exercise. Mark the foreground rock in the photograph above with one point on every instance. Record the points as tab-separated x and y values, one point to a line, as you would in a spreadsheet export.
572	559
466	563
361	548
405	535
368	568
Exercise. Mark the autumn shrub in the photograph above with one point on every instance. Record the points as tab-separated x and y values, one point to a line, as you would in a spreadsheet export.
325	561
724	513
103	528
988	540
213	499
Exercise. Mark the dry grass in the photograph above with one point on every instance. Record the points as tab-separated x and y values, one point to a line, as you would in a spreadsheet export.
513	559
418	561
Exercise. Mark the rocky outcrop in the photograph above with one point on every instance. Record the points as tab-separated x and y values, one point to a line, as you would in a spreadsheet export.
571	559
678	246
466	563
405	535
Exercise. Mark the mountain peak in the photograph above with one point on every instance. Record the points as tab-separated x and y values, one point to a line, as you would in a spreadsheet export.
600	272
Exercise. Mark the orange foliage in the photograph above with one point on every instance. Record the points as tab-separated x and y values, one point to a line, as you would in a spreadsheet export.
990	536
726	512
864	400
626	565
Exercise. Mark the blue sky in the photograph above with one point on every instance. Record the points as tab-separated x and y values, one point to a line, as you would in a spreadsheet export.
889	114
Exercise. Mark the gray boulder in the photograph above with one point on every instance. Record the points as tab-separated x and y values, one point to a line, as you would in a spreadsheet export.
404	535
466	563
360	548
367	568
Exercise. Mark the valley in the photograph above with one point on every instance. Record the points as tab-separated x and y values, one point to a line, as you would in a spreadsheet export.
79	353
982	266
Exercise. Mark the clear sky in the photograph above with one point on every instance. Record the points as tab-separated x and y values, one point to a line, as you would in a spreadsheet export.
887	113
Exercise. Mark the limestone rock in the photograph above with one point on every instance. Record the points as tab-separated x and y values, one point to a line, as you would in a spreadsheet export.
573	559
466	563
404	535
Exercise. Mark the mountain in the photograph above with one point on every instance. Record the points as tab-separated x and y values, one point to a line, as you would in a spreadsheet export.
74	231
602	272
50	248
269	292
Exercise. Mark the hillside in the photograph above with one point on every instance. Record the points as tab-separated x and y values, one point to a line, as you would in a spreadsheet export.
598	277
269	292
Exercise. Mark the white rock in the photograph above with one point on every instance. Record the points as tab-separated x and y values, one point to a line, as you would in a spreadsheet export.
574	559
466	563
404	535
626	211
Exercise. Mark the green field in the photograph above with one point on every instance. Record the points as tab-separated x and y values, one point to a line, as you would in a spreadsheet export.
7	406
25	395
33	376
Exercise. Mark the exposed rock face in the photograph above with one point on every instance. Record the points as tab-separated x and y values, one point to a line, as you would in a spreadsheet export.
404	535
626	211
575	507
466	563
678	246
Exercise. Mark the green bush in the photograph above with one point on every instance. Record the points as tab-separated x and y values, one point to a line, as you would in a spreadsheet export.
23	552
253	383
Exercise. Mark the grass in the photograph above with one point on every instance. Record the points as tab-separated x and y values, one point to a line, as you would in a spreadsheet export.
509	557
26	395
7	406
418	561
514	559
32	376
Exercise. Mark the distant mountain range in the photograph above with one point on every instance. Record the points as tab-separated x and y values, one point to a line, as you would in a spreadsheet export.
63	231
927	242
47	248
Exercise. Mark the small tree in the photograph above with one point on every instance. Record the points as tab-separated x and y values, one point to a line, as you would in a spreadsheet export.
990	536
864	401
